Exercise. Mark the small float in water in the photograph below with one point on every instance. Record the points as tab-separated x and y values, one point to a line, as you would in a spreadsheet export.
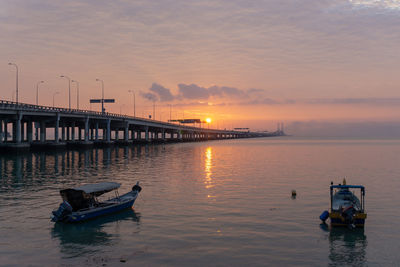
81	203
346	208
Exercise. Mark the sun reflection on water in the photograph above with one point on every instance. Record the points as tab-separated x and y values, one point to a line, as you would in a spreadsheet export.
207	168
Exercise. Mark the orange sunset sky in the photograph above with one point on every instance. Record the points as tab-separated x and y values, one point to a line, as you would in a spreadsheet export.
315	65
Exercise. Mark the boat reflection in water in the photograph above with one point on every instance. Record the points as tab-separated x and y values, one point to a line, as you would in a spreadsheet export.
347	247
82	238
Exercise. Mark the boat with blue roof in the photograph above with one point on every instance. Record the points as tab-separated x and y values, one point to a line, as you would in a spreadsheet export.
347	209
82	203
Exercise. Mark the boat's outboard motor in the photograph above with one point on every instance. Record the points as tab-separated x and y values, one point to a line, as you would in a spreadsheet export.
348	215
63	211
137	187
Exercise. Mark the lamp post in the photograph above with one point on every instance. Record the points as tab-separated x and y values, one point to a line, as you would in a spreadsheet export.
16	81
69	89
134	102
102	94
154	110
170	112
37	91
77	93
54	94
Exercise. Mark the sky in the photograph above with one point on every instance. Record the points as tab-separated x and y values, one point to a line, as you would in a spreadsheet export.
329	67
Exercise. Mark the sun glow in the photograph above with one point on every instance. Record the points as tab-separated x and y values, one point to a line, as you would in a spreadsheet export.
207	168
208	120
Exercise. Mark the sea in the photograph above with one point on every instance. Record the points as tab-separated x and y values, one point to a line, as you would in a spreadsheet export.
214	203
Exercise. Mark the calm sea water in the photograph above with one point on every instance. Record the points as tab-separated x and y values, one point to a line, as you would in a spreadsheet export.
219	203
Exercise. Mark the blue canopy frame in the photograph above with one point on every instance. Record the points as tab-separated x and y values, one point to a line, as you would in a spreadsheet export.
339	186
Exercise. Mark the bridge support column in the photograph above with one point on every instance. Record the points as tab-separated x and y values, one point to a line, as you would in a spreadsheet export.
108	133
126	132
73	131
91	133
62	132
132	134
42	131
18	128
96	131
36	131
117	134
147	133
5	131
1	131
68	133
22	131
87	129
138	135
56	128
163	134
79	133
29	131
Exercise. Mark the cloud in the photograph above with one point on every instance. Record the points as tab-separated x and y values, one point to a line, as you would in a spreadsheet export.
225	91
193	91
149	96
164	94
354	101
196	92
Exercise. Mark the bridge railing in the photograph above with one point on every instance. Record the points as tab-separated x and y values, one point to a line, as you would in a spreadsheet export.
5	104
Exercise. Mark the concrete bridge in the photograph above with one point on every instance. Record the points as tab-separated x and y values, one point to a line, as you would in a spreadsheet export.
26	126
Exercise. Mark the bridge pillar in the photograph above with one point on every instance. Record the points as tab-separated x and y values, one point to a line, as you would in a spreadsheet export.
86	129
91	133
29	131
179	135
147	133
139	135
62	132
108	133
56	128
1	131
126	132
117	134
5	131
68	133
22	131
36	131
18	128
42	131
79	133
163	134
73	131
132	134
97	131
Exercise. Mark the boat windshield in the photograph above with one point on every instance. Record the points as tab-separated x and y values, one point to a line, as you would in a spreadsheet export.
345	198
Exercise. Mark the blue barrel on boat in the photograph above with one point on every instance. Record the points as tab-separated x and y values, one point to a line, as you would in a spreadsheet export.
324	215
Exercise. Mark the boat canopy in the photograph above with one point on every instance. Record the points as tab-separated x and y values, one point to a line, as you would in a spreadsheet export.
362	188
99	188
347	186
84	196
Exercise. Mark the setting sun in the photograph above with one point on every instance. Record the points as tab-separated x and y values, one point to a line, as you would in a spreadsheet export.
208	120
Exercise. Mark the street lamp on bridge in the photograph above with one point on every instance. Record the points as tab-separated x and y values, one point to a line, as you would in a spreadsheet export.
77	93
54	94
69	89
37	91
102	94
16	83
134	102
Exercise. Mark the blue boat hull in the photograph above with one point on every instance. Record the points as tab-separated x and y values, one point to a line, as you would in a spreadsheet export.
79	216
65	213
